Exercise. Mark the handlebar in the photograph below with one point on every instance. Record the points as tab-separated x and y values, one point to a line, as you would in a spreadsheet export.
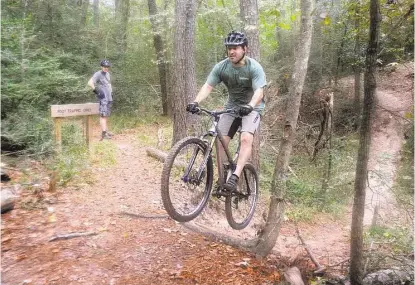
217	113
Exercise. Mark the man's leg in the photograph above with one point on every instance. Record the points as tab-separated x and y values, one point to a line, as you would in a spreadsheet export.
103	123
249	125
105	111
244	152
221	156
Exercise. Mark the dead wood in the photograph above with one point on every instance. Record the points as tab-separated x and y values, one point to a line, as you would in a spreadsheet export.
293	276
138	216
320	269
72	235
156	153
219	237
161	156
326	108
8	200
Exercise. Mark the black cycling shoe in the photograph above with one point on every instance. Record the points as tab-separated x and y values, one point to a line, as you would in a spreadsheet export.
106	136
232	183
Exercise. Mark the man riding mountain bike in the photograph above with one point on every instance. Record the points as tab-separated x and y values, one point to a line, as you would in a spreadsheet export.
245	80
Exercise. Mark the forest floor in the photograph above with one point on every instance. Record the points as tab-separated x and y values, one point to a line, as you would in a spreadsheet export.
132	241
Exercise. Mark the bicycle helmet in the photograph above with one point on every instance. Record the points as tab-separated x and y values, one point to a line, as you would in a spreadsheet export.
105	63
236	39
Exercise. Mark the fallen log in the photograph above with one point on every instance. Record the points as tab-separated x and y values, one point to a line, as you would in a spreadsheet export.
161	156
293	276
156	153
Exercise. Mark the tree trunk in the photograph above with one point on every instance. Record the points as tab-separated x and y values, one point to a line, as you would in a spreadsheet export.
84	13
184	77
356	242
122	15
161	57
249	18
95	5
327	109
357	68
339	56
269	235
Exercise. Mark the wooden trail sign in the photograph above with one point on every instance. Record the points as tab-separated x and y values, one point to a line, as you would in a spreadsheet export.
58	112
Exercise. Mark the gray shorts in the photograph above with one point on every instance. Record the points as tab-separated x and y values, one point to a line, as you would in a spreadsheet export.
105	108
229	123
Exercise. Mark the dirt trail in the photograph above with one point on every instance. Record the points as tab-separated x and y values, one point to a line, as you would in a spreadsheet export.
135	243
394	99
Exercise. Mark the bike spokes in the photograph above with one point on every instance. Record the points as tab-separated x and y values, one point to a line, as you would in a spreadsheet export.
186	180
240	205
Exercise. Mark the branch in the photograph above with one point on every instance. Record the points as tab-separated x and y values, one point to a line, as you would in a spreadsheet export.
137	216
72	235
393	113
320	268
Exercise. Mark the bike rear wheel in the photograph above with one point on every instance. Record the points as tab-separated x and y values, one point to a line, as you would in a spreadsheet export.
240	205
186	181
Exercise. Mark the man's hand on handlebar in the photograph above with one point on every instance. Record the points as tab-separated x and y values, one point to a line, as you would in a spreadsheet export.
193	107
245	110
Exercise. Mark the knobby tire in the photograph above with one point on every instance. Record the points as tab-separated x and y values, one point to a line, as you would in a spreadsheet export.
234	203
173	184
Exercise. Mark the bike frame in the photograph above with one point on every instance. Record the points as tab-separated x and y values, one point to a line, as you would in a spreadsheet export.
215	134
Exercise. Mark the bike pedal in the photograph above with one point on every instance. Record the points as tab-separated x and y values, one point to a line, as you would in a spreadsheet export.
221	193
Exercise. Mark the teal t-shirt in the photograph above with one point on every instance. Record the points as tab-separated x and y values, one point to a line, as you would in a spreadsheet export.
240	81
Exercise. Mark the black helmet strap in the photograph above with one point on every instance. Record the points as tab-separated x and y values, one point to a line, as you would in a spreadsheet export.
240	59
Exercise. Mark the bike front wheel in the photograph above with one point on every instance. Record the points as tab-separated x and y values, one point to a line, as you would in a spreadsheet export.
240	205
186	181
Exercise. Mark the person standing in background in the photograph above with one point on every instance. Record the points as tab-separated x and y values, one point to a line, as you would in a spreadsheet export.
100	83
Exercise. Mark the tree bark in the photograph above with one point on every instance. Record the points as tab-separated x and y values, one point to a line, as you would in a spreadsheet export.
269	235
160	53
184	77
356	242
122	15
95	6
249	17
357	69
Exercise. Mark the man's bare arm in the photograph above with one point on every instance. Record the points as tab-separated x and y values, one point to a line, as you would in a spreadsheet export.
257	97
91	83
203	93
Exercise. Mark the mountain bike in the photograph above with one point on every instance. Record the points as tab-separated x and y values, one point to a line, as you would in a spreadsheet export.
187	178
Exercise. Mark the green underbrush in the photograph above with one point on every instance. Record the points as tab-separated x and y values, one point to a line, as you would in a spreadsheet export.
74	161
387	247
305	193
404	184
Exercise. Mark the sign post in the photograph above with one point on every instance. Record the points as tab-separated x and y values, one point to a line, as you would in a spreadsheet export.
58	112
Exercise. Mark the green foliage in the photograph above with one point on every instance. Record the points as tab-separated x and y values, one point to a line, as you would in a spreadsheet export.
399	240
103	154
29	128
388	247
304	189
268	23
404	184
72	160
